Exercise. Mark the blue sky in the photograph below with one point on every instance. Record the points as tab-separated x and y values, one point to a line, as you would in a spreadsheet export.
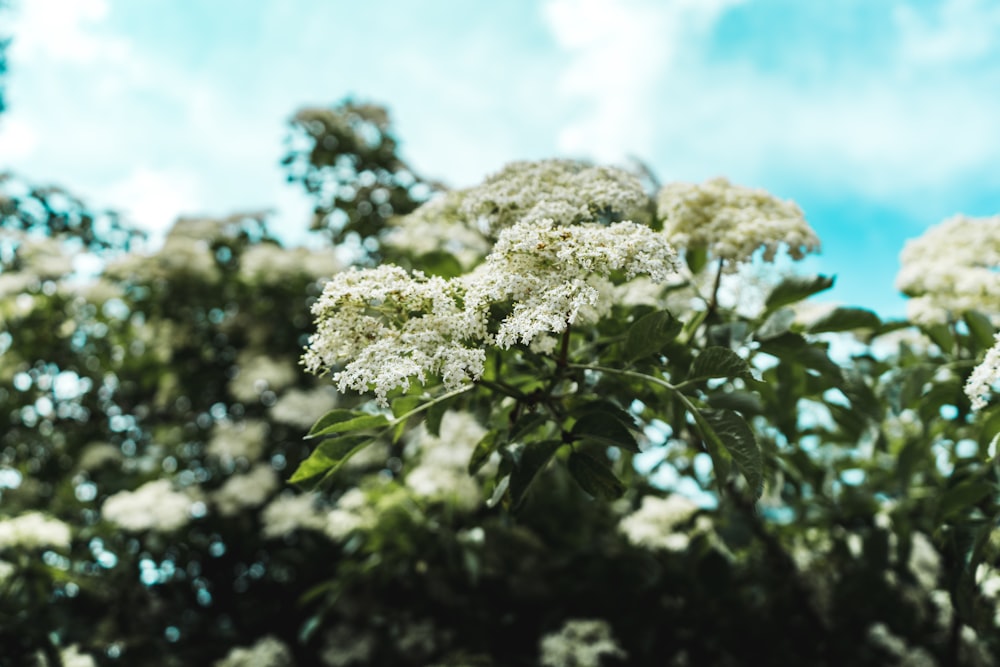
878	118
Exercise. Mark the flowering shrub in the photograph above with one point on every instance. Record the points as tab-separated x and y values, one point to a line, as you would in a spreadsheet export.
550	419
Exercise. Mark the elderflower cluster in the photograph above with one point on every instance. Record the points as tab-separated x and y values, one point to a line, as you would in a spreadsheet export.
443	470
565	191
267	652
952	268
437	225
288	513
249	490
653	524
580	642
984	377
34	530
733	222
153	506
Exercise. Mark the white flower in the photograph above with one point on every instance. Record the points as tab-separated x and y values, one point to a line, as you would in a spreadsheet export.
288	513
985	377
71	657
925	561
6	571
439	483
245	491
439	225
34	530
345	646
953	267
581	643
233	440
258	373
565	191
653	524
153	506
732	222
352	512
270	264
267	652
443	470
302	408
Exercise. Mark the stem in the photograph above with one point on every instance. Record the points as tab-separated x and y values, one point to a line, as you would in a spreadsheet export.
503	388
564	348
434	401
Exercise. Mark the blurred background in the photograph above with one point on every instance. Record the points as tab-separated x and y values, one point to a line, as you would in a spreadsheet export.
879	119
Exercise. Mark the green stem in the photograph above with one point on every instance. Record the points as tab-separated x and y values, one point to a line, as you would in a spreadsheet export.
434	401
503	388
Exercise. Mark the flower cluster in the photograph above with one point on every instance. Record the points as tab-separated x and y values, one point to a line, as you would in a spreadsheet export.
34	530
565	191
153	506
984	377
443	470
390	326
580	642
653	524
248	490
733	222
439	224
267	652
952	268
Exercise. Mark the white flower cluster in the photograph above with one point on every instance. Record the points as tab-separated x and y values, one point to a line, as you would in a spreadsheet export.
288	513
439	224
565	191
389	326
271	264
653	524
953	267
344	646
71	657
260	372
267	652
443	470
245	439
299	407
580	642
251	489
733	222
353	512
153	506
34	530
985	377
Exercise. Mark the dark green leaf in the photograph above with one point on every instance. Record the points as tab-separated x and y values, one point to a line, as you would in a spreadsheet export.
964	495
439	263
533	458
719	362
941	335
980	328
796	288
330	418
733	433
741	401
356	421
605	427
484	449
846	319
595	477
650	333
329	456
696	258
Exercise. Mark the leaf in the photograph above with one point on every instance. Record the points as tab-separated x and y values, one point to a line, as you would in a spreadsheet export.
439	263
650	333
533	458
846	319
525	424
605	428
980	328
595	477
733	433
696	258
329	456
964	495
345	421
796	288
719	362
484	449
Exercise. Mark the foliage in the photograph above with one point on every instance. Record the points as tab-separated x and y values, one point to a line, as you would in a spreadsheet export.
662	459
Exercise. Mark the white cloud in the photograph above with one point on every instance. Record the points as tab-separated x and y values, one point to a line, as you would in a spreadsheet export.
64	31
956	32
153	199
18	138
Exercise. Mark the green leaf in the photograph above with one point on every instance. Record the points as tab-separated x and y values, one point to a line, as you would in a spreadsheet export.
605	428
696	258
533	458
337	421
719	362
439	263
595	477
980	328
732	432
941	335
650	333
525	424
484	449
327	458
964	495
402	406
796	288
846	319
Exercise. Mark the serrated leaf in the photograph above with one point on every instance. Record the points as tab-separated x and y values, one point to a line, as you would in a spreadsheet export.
595	477
796	288
330	418
731	431
356	421
650	333
533	458
717	362
483	450
329	456
604	427
846	319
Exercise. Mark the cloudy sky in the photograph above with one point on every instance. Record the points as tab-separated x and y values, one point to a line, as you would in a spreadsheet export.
878	118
